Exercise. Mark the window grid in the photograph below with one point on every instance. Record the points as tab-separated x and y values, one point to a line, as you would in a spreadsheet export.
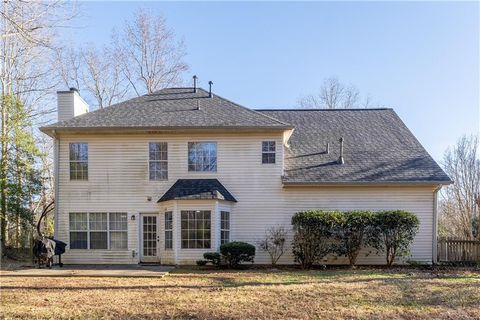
98	230
149	236
78	161
168	230
268	152
118	230
202	156
196	229
224	227
158	160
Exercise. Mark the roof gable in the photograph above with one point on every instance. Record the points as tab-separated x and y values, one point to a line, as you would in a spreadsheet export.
194	189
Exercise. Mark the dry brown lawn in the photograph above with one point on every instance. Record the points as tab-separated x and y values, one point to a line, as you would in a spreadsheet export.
251	294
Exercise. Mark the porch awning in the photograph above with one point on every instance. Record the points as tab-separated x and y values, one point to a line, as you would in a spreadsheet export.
195	189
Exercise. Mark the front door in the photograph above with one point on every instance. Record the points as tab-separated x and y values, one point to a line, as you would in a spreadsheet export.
150	238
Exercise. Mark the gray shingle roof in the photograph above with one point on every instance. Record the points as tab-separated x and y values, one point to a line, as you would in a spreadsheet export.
193	189
171	108
378	148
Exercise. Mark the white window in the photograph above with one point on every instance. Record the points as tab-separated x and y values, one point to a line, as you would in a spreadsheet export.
224	227
202	156
78	161
196	229
98	230
168	230
158	160
118	231
78	231
268	152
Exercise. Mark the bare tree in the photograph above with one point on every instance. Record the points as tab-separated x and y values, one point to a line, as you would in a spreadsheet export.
103	77
152	57
334	95
27	40
460	204
141	58
274	243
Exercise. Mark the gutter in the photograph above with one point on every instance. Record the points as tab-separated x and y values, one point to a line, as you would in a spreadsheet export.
51	130
435	225
365	183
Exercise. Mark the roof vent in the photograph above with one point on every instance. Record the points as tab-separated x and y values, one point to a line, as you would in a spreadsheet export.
195	84
73	89
341	160
210	95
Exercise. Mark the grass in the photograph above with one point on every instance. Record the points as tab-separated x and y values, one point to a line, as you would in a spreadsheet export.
250	294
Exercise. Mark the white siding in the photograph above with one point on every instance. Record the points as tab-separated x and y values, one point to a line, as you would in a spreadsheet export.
118	182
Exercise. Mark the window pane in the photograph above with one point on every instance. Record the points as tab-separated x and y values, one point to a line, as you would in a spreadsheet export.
98	240
196	229
168	240
268	157
98	221
78	221
158	156
118	240
118	221
202	156
78	240
78	152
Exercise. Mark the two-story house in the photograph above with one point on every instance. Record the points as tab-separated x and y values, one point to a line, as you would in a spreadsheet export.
170	175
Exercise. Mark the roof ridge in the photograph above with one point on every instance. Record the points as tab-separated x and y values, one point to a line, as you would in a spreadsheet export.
246	108
350	109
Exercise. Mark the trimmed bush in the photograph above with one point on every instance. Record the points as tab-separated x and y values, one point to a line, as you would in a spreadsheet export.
213	258
313	238
393	233
351	232
202	262
237	252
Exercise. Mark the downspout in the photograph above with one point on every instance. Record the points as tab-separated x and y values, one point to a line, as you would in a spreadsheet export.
435	224
56	159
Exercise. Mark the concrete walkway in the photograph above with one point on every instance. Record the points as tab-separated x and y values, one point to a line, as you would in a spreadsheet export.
128	271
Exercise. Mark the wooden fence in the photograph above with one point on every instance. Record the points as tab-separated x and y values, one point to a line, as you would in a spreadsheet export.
458	250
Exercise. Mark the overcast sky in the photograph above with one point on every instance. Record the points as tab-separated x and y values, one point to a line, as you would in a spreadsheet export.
422	59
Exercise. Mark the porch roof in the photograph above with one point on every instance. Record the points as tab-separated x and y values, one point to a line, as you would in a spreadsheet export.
195	189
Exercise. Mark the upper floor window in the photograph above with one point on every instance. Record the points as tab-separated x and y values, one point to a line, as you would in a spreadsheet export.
202	156
158	160
268	152
78	161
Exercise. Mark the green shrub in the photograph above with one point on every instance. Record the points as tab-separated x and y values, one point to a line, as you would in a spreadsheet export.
237	252
313	235
353	228
213	258
393	233
201	262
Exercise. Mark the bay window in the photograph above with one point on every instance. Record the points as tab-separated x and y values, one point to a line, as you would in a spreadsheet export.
196	229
